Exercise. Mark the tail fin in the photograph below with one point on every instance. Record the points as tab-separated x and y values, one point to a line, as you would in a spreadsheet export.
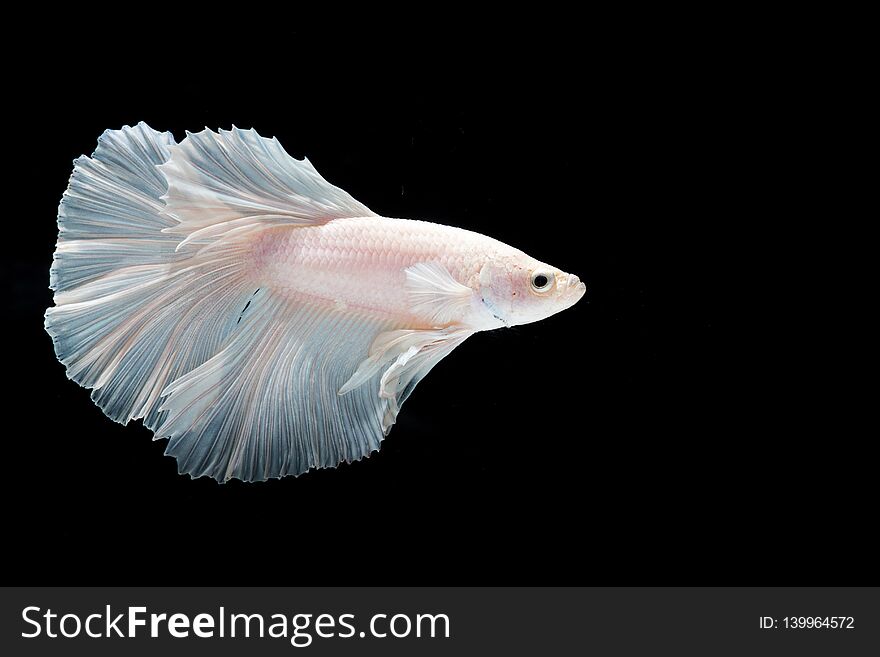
132	314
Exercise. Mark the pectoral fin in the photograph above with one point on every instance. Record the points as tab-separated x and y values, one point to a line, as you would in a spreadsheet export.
435	294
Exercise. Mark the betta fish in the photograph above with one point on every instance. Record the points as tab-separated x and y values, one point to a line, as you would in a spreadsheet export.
258	317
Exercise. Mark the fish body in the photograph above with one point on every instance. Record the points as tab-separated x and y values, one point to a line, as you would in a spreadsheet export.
361	264
254	314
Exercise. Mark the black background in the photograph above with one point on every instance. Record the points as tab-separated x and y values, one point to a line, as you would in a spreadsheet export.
638	437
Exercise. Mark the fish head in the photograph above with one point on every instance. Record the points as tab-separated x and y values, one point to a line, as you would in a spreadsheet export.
519	289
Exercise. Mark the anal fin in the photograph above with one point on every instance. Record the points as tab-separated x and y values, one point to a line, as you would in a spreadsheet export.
265	406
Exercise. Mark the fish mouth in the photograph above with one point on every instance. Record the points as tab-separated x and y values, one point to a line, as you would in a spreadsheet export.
575	286
573	290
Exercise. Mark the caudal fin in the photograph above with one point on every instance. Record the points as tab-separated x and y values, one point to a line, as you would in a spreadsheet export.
132	314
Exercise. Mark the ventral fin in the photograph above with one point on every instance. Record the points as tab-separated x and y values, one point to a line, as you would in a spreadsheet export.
435	294
400	359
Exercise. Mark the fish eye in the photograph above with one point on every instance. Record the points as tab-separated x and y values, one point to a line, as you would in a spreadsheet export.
542	281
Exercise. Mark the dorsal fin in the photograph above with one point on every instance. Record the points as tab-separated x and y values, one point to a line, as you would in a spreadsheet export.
235	181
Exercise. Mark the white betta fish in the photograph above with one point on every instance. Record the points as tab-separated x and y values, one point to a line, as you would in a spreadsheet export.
254	314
